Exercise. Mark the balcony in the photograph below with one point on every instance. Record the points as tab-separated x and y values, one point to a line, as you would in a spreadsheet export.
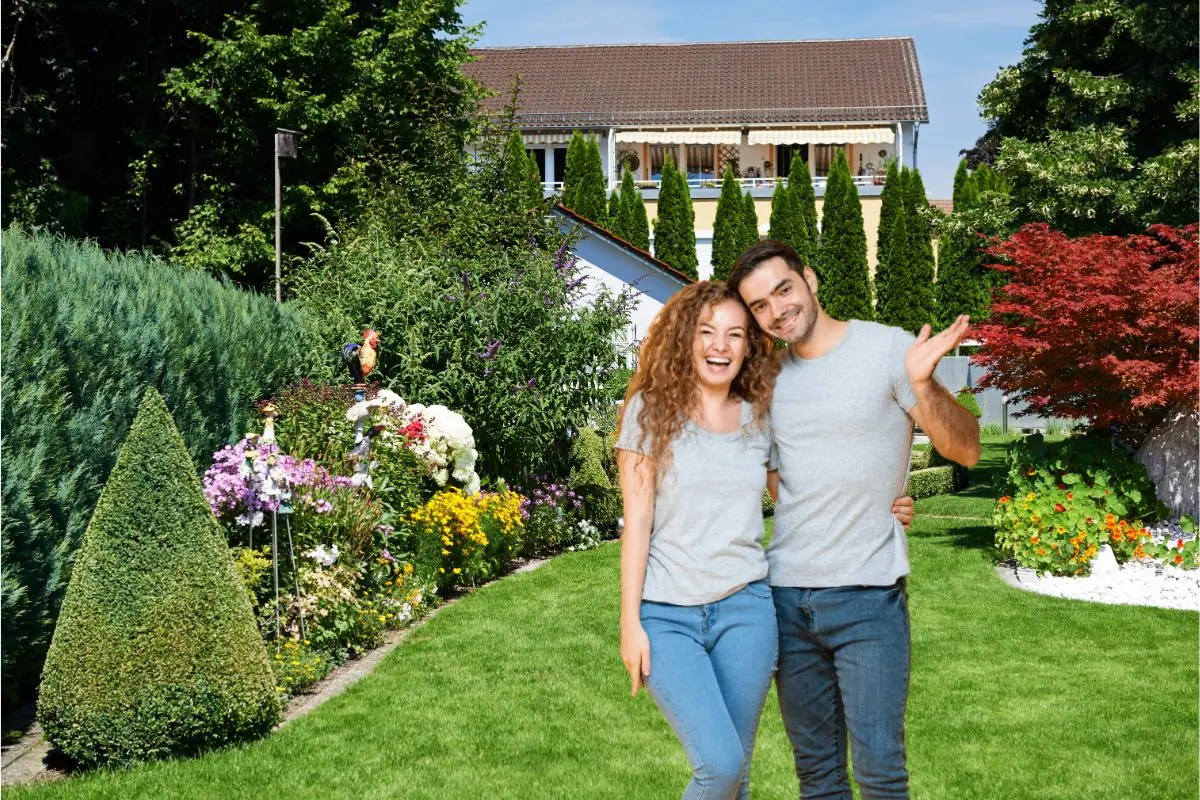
758	187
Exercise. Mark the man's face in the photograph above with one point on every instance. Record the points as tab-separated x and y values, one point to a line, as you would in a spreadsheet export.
783	303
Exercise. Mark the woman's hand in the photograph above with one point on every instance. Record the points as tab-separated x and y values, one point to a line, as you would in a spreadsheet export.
635	652
904	510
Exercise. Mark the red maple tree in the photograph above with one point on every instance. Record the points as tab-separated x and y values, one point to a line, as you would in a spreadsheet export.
1102	327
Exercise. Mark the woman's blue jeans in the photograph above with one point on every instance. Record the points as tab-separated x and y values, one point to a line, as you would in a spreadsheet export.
710	669
843	674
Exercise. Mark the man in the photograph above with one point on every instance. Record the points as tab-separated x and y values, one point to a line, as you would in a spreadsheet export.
842	416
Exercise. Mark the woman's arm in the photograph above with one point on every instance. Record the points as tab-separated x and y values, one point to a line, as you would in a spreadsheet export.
773	484
637	475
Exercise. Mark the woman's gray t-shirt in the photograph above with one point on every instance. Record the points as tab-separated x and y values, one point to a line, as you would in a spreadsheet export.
706	541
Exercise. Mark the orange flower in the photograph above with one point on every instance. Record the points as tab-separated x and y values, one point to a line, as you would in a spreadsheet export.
1070	496
1004	499
1041	551
1059	507
1033	539
1178	559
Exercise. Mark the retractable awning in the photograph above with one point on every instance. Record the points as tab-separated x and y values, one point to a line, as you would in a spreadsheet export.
682	137
877	135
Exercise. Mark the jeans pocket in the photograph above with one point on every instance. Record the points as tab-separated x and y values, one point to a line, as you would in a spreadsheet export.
760	589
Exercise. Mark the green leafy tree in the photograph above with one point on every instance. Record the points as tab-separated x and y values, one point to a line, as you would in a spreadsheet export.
749	222
729	228
156	652
842	262
634	205
800	182
675	225
1097	123
574	169
591	196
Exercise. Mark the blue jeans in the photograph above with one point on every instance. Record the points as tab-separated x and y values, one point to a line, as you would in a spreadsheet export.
710	669
843	671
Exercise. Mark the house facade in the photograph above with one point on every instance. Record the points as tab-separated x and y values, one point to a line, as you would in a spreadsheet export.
754	106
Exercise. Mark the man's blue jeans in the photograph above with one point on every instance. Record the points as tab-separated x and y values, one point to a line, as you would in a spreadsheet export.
843	670
710	669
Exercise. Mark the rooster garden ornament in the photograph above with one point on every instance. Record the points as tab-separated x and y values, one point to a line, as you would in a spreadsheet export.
360	358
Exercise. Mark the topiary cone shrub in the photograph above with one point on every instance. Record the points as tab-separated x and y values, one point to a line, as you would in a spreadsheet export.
156	652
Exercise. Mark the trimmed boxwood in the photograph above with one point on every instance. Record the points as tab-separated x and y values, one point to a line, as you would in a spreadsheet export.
156	652
602	504
931	481
966	399
921	459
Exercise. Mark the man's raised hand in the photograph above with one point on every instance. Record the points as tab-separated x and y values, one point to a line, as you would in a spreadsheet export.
923	357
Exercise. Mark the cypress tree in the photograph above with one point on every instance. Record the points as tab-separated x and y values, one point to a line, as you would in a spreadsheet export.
888	249
156	652
674	228
591	197
614	213
962	282
961	179
729	228
627	207
842	262
639	221
573	172
783	215
521	181
907	297
800	182
749	222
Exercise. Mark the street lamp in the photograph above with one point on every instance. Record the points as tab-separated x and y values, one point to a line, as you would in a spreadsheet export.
285	147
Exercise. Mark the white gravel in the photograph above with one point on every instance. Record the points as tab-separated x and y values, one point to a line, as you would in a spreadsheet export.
1134	583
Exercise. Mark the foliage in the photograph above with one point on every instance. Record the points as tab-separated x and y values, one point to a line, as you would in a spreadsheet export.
591	196
845	284
749	222
339	621
632	225
768	505
921	458
134	672
614	212
805	200
891	205
966	399
1097	123
1101	327
574	169
1062	501
675	225
84	334
523	182
552	512
728	227
784	216
477	311
590	481
904	279
966	191
930	481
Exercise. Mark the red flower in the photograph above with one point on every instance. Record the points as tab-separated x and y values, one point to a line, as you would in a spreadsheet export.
1179	545
1059	507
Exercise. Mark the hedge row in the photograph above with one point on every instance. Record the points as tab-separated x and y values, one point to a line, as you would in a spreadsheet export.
931	481
84	333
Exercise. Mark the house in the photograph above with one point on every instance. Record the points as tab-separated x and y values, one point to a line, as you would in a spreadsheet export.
608	260
752	105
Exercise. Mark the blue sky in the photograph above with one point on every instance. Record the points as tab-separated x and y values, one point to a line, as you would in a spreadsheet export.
960	45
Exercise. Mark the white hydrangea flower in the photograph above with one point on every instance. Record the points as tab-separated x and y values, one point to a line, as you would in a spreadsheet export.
389	398
322	556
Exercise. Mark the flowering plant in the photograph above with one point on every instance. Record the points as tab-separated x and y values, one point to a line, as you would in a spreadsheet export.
550	510
452	535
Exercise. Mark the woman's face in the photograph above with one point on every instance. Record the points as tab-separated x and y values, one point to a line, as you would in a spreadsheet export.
719	347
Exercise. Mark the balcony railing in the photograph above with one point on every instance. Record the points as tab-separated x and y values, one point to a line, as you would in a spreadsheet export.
744	183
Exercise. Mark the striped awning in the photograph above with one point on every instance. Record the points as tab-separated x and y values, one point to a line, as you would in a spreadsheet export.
558	137
682	137
824	136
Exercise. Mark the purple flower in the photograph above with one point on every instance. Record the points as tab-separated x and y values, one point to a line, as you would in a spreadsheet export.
576	283
487	373
386	556
532	384
490	351
452	298
466	281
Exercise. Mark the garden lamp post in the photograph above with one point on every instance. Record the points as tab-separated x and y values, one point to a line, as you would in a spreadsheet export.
285	147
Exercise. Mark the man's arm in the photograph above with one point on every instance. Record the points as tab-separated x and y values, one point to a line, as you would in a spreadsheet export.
952	429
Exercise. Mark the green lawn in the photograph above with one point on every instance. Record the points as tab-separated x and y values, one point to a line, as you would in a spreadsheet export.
517	691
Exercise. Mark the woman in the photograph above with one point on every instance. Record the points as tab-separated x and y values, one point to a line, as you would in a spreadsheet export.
697	620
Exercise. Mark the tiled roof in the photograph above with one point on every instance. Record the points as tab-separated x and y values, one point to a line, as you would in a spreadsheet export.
823	80
945	206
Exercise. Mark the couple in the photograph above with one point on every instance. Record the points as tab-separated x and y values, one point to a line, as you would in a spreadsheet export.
712	416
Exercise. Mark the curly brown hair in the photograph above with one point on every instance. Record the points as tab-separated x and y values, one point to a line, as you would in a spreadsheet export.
666	374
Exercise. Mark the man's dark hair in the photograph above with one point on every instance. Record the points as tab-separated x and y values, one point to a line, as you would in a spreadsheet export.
759	252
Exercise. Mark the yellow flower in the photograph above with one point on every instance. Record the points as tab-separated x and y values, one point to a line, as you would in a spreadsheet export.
457	571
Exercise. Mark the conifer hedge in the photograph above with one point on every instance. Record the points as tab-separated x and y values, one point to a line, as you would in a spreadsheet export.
84	334
805	200
156	652
845	288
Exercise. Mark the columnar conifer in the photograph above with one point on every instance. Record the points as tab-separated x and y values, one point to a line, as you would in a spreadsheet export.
674	228
842	264
638	228
591	196
729	228
573	172
800	182
750	222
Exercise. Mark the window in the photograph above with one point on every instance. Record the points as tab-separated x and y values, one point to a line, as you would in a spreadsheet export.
658	157
784	153
560	164
823	158
701	162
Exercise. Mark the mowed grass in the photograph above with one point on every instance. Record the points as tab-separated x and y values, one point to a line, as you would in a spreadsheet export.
517	692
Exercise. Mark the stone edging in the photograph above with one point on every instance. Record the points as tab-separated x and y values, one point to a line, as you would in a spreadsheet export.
24	762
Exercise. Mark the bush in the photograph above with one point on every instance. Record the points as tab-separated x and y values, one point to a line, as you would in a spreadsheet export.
84	334
930	482
589	480
1062	501
298	667
768	505
921	459
156	652
465	540
966	399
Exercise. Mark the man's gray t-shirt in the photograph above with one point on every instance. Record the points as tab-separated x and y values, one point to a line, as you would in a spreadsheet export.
843	440
706	541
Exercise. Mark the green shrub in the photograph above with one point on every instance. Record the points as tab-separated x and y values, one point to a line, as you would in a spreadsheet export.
1061	501
768	505
921	458
931	481
298	666
962	475
589	480
966	399
85	332
156	652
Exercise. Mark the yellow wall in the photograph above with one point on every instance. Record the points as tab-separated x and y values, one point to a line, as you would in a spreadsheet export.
706	214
